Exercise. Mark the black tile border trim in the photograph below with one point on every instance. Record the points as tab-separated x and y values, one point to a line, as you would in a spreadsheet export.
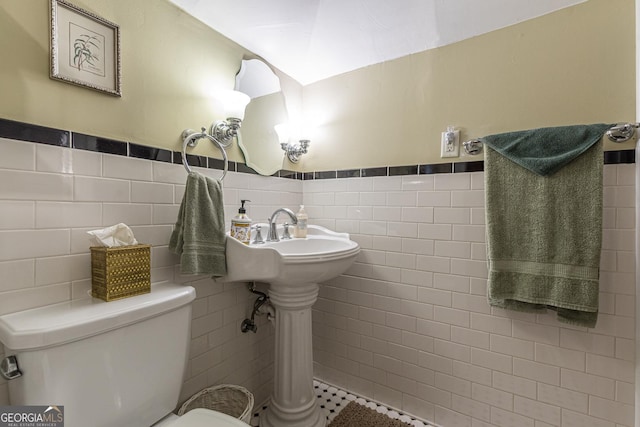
403	170
326	175
477	166
43	135
33	133
619	157
150	153
348	173
435	168
99	145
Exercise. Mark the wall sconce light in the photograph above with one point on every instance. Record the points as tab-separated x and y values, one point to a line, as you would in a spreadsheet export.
234	105
223	131
292	150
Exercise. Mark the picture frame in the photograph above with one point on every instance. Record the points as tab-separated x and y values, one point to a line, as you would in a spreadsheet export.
85	49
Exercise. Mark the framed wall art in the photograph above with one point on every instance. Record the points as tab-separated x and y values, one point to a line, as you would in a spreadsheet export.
85	49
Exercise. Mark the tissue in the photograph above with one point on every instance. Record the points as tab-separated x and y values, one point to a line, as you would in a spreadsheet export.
116	235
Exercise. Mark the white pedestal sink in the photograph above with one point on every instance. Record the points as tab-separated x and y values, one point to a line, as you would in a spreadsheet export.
293	268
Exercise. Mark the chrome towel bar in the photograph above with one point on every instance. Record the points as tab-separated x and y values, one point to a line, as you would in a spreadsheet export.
619	133
622	132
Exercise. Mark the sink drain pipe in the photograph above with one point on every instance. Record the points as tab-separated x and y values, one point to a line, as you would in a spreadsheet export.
250	324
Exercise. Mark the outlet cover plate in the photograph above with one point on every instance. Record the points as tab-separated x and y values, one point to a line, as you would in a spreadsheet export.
450	147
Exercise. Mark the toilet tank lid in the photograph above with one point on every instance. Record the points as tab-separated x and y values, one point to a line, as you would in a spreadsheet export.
73	320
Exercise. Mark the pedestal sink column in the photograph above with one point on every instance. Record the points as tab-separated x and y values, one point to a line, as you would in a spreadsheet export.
293	403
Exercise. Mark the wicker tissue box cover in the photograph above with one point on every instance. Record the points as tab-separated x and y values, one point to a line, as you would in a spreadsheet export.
120	272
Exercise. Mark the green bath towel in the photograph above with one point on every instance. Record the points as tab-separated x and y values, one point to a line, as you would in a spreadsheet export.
199	234
544	230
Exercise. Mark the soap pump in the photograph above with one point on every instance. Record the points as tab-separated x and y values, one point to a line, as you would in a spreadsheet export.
241	225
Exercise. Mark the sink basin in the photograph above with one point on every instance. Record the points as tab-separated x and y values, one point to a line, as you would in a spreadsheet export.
322	255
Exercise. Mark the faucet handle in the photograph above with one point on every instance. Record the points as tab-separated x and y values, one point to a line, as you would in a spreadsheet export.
258	239
285	233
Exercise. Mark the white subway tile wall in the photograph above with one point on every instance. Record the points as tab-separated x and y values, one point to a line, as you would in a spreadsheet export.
412	317
408	325
50	196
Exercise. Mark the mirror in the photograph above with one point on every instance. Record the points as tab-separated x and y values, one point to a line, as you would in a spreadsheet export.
257	138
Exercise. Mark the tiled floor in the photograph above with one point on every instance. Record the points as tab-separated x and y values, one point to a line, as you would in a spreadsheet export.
332	400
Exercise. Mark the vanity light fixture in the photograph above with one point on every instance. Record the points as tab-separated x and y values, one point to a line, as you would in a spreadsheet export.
223	131
292	150
234	105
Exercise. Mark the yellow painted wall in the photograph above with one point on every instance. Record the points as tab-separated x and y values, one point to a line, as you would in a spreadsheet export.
576	65
171	65
573	66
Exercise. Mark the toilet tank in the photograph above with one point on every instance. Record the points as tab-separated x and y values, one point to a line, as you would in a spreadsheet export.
118	363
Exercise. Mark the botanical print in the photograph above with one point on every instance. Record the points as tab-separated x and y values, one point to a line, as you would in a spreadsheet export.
87	50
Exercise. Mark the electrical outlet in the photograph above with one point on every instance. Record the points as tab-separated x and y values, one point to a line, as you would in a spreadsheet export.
450	144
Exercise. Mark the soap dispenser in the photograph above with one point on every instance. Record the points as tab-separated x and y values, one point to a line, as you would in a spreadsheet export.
300	230
241	225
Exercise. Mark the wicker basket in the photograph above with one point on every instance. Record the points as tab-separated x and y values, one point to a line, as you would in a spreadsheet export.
232	400
120	272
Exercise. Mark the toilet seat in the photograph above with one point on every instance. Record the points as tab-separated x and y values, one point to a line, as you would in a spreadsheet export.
201	417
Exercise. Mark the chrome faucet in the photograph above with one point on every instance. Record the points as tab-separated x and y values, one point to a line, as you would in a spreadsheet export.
273	233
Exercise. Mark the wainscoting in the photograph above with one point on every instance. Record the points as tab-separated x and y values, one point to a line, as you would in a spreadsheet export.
407	325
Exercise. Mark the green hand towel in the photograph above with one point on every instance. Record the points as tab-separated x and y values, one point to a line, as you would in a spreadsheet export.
544	233
546	150
199	234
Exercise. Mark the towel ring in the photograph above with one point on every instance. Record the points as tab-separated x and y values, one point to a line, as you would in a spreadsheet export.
191	139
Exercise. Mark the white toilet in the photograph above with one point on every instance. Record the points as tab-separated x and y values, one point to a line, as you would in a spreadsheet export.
118	363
